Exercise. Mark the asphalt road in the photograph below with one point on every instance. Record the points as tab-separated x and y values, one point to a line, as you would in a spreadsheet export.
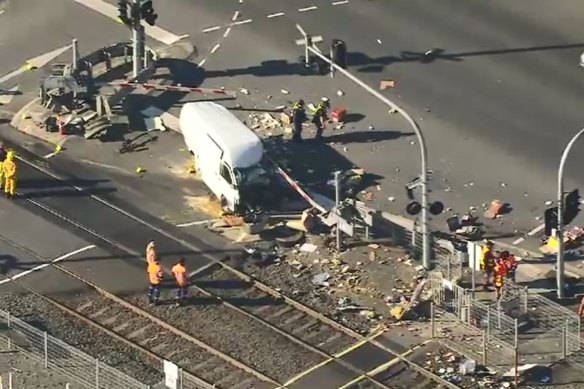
497	101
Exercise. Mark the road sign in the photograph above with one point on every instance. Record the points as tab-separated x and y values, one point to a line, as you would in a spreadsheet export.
170	375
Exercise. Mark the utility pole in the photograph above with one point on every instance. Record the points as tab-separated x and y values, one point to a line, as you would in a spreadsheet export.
560	282
308	42
131	13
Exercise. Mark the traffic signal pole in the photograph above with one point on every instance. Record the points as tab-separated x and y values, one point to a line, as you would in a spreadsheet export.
560	277
426	238
137	38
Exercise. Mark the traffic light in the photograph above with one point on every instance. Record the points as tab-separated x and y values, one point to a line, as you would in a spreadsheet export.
339	53
550	217
571	206
123	12
147	12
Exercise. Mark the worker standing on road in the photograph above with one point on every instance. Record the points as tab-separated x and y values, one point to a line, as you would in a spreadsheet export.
155	278
320	117
9	170
500	274
180	275
2	159
298	117
510	263
151	253
487	263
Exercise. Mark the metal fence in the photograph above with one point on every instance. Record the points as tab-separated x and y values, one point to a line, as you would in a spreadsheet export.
57	355
525	325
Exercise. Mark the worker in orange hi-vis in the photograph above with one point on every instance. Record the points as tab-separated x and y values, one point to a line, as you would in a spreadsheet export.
9	171
155	277
500	275
182	280
151	253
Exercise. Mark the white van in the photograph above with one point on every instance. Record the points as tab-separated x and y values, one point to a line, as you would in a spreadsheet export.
227	153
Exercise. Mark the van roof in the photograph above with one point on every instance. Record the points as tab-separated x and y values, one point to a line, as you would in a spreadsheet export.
241	146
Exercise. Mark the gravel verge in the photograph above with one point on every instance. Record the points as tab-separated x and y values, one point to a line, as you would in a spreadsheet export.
234	334
46	317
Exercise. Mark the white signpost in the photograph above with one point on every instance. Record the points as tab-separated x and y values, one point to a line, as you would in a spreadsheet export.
171	375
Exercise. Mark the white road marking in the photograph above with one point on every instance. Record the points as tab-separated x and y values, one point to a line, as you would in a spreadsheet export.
36	62
111	12
211	29
246	21
235	16
50	155
530	233
312	8
227	31
536	230
196	223
275	15
6	96
215	48
2	11
40	267
202	62
340	2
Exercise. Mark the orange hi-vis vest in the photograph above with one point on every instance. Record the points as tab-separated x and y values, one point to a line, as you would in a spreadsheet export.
180	274
500	274
154	273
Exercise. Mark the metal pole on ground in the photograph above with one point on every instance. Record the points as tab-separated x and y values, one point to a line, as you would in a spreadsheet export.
432	319
10	380
46	347
337	203
484	348
560	283
426	250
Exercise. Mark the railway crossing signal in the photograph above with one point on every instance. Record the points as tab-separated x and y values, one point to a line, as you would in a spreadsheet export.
123	12
571	206
147	13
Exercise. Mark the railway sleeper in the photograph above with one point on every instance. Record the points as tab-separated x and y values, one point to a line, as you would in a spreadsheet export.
305	327
293	318
279	312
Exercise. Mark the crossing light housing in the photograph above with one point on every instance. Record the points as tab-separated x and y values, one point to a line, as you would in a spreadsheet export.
571	206
147	12
123	12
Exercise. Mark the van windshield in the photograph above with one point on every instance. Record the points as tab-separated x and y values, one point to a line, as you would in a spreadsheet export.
251	176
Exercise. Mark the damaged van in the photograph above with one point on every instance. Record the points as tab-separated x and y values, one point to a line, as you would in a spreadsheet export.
227	154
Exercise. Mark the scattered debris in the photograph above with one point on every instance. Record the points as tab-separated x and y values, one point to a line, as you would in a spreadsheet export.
284	91
379	41
308	248
321	279
383	85
340	93
244	91
495	209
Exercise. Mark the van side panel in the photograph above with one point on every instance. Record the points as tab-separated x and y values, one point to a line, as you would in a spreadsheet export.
209	158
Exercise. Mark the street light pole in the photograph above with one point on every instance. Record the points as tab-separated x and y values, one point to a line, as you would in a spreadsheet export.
426	250
560	228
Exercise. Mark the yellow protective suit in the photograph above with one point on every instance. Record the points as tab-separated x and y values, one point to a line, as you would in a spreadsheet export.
9	170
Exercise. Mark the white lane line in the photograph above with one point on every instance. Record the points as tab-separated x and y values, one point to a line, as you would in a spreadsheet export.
311	8
202	62
227	31
211	29
275	15
50	155
340	2
246	21
196	223
40	267
235	16
111	12
536	230
530	233
215	48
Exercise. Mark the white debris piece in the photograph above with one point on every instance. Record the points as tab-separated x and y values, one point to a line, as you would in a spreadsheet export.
371	128
379	41
392	199
413	142
284	91
503	184
549	202
340	93
345	149
308	248
244	91
268	97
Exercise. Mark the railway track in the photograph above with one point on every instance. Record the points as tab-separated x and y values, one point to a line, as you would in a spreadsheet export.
204	366
302	327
